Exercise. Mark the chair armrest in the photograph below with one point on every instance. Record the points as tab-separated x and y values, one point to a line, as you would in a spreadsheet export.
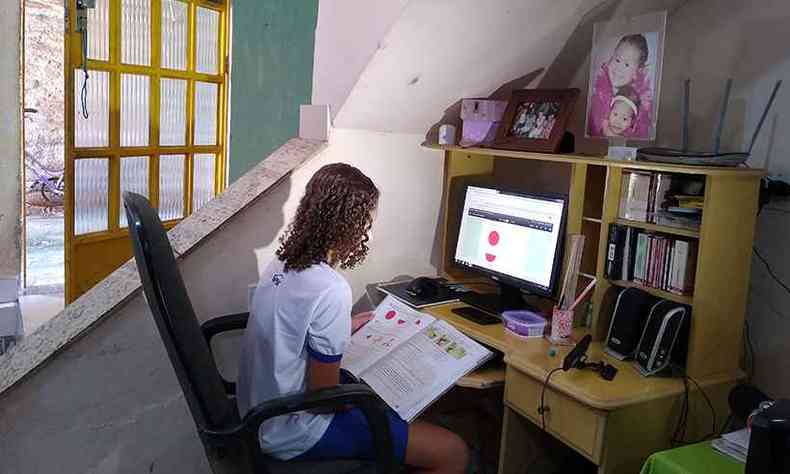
357	395
218	325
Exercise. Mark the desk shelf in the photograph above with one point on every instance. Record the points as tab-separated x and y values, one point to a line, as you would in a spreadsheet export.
682	299
593	185
683	232
600	160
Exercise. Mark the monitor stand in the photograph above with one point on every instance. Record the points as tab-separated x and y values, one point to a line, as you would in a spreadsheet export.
508	298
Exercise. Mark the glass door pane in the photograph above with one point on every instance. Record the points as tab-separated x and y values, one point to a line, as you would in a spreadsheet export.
134	178
205	113
173	112
171	187
99	31
136	32
91	178
207	41
202	180
135	113
174	35
92	131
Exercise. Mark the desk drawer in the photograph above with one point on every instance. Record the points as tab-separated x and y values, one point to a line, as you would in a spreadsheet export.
575	424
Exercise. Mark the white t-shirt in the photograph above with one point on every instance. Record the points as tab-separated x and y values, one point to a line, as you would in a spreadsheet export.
293	315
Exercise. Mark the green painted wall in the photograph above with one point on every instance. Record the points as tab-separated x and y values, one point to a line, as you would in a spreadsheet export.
272	74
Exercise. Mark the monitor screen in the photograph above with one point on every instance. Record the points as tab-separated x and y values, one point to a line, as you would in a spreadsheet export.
512	235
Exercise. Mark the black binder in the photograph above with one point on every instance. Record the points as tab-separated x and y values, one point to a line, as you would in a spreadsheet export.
614	252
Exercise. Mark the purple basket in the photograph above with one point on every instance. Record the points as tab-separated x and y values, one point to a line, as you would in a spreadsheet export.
524	323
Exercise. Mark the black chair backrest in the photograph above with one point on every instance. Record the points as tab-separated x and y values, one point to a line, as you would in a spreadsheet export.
175	318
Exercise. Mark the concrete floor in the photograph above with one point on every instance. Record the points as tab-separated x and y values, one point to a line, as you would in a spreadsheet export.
38	309
45	257
44	289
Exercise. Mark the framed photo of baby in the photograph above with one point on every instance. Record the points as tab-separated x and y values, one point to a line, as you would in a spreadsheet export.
535	119
625	77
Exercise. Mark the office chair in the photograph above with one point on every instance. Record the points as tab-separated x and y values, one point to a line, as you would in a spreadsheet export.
230	441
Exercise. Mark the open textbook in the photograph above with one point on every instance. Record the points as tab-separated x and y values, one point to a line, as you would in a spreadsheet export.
410	358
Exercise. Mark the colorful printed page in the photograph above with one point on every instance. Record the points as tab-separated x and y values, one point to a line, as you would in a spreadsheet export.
422	368
393	323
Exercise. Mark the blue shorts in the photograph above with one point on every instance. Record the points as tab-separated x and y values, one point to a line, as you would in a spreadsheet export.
348	437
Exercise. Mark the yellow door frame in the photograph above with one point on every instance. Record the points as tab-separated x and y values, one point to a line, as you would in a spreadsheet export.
91	257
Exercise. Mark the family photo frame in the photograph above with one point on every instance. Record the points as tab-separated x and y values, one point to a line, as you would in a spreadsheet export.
625	78
536	120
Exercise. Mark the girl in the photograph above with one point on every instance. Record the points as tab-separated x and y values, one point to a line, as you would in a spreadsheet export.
300	324
626	67
622	113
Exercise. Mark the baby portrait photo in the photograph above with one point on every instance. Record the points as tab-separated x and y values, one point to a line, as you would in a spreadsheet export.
535	120
624	74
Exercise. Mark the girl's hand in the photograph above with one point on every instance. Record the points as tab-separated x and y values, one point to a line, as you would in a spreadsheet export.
359	320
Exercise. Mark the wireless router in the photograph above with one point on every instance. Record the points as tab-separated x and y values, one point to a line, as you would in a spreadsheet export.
707	158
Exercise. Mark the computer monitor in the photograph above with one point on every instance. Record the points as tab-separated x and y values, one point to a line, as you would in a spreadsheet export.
514	238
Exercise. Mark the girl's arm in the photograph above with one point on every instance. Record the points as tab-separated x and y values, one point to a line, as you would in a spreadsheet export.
322	374
359	320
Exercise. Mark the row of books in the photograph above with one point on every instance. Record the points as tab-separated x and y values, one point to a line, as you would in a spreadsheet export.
664	262
661	198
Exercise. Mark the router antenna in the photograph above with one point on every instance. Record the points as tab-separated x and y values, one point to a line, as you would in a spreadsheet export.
725	103
765	113
684	111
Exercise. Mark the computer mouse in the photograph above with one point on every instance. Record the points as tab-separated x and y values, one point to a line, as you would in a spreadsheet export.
423	287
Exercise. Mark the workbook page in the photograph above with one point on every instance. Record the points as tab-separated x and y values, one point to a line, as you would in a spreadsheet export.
393	323
423	367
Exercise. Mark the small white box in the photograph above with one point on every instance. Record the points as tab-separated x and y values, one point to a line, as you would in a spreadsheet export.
10	319
622	153
9	289
314	122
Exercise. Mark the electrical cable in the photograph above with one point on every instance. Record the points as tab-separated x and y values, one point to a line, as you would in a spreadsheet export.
770	270
679	435
712	410
542	408
680	429
84	91
726	424
749	349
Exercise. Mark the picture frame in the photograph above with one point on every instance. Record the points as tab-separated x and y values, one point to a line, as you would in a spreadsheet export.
624	87
536	120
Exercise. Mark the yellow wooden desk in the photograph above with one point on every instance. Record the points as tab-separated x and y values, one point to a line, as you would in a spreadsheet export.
616	424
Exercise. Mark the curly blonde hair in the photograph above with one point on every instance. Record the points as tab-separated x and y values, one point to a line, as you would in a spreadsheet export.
334	217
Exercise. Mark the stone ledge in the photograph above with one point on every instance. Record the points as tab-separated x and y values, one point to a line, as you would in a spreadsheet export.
90	308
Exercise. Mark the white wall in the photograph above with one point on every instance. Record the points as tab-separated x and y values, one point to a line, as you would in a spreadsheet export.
10	141
441	51
409	179
347	35
709	41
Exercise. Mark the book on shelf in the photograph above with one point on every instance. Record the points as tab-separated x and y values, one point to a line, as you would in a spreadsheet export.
410	358
662	188
640	260
650	259
655	198
635	195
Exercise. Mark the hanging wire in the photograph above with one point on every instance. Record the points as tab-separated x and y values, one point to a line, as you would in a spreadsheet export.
84	92
771	270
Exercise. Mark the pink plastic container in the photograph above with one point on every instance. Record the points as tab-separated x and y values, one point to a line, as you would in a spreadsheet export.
524	323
